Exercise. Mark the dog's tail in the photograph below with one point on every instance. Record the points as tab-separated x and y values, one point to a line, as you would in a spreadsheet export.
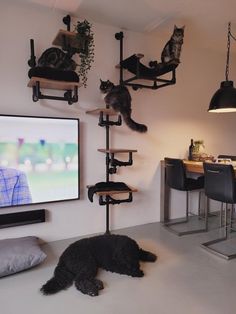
61	280
146	256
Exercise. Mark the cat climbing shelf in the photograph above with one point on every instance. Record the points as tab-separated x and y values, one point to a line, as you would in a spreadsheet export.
108	191
144	73
52	78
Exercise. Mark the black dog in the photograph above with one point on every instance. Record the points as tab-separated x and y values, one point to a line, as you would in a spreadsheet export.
81	260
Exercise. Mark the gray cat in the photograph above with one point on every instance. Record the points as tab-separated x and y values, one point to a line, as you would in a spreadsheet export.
172	49
118	98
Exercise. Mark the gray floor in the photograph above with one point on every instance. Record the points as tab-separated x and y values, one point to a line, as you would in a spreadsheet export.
186	279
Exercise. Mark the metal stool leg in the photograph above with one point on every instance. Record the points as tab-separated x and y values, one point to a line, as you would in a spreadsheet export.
181	233
227	228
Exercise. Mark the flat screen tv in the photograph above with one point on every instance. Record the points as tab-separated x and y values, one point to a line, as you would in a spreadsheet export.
39	160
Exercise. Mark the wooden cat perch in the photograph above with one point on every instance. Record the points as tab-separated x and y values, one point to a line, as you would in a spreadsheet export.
142	72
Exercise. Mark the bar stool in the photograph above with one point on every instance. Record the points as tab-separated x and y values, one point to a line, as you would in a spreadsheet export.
220	185
233	158
175	176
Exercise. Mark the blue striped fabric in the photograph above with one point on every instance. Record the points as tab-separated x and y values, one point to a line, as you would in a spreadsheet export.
14	187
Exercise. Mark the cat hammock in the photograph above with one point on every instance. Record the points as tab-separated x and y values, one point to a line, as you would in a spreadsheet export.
142	72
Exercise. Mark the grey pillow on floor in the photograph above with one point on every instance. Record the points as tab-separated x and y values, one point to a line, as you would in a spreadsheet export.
17	254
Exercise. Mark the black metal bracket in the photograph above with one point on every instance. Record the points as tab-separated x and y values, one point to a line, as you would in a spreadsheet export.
154	86
118	163
68	95
32	60
157	82
107	199
103	122
67	20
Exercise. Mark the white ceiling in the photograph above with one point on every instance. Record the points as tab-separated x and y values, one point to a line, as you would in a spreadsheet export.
208	18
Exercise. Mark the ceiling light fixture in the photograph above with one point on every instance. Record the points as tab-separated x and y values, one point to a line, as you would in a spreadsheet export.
224	99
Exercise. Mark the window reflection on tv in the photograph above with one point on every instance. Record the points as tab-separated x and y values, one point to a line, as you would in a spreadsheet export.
39	160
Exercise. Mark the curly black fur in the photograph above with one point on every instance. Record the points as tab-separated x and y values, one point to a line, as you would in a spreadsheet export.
80	262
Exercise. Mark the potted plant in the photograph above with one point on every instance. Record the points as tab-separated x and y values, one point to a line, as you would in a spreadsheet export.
85	40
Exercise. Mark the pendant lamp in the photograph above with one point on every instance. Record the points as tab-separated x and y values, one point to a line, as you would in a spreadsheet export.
224	99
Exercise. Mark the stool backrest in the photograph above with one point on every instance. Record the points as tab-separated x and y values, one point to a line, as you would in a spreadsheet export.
220	182
175	173
232	157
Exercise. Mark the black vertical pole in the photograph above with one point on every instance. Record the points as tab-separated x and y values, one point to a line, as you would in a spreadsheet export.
119	36
121	57
32	60
107	170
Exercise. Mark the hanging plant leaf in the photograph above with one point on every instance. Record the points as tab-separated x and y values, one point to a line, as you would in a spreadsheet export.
85	39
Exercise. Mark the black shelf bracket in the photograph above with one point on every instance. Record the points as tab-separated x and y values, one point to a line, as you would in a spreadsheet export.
69	96
108	200
114	163
67	20
106	122
32	60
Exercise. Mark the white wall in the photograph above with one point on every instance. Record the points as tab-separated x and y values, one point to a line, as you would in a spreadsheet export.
173	115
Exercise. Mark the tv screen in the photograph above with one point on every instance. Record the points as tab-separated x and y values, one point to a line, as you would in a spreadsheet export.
39	160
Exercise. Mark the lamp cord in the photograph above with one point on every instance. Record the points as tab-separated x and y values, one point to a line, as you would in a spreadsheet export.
228	51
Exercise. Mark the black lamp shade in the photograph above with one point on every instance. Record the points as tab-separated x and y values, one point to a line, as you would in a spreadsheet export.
224	99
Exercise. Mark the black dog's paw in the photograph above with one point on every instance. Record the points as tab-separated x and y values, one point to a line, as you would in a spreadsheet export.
89	286
98	283
137	273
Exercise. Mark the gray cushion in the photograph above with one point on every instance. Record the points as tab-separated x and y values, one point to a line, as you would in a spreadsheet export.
17	254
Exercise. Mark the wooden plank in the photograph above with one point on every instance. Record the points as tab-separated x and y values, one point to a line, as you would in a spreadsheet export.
117	150
194	166
70	38
52	84
197	166
133	190
102	193
97	111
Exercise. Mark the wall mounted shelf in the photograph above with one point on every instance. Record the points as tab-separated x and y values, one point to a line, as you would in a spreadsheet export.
65	38
52	78
53	84
97	111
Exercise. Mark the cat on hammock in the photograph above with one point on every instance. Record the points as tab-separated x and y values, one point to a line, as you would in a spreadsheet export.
56	58
118	98
172	50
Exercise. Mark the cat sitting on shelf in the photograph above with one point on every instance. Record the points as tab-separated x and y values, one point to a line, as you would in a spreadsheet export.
172	50
118	98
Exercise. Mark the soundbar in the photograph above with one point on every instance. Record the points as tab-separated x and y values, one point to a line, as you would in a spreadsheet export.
22	218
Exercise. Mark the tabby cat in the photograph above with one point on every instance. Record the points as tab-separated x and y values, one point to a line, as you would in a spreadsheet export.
172	49
118	98
56	58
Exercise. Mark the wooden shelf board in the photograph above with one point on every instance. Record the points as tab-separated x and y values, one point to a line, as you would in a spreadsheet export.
118	150
52	84
70	38
102	193
97	111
